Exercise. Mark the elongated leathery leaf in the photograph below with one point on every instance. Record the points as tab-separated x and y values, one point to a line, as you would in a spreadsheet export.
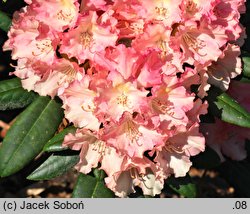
228	109
27	136
91	187
55	144
55	165
184	186
246	64
5	21
12	95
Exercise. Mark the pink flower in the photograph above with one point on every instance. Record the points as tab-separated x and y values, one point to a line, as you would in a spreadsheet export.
79	105
165	11
137	172
174	155
130	137
93	151
170	104
125	71
195	9
31	39
58	76
228	66
226	139
155	36
197	42
87	38
57	14
122	97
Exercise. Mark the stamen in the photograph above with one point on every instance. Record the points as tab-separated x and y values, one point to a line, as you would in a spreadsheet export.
136	28
70	72
134	174
132	132
122	99
86	39
143	180
162	12
61	15
100	147
169	147
193	42
44	46
88	108
211	71
191	7
158	105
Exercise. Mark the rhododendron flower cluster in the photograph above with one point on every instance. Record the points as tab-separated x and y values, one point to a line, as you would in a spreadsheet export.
124	71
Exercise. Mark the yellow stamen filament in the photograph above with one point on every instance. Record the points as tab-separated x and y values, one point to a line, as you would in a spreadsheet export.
101	148
134	174
122	100
169	147
44	46
61	15
194	43
163	108
191	7
162	12
211	72
132	132
86	39
70	72
136	28
88	108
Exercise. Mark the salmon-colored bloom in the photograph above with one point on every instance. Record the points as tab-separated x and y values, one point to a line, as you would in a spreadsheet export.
133	76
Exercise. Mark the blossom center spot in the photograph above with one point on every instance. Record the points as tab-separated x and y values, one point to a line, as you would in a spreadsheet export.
86	39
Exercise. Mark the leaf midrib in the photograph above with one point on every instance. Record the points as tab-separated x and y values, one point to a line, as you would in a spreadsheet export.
19	146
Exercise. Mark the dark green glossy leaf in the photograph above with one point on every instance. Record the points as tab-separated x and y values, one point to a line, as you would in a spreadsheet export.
55	144
55	165
5	21
246	64
228	109
27	136
207	159
99	174
13	96
91	187
184	186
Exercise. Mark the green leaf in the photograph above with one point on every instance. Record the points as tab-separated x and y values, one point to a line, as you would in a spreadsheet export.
55	165
5	21
184	186
246	64
244	80
207	159
55	144
13	96
229	110
99	174
27	136
91	187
